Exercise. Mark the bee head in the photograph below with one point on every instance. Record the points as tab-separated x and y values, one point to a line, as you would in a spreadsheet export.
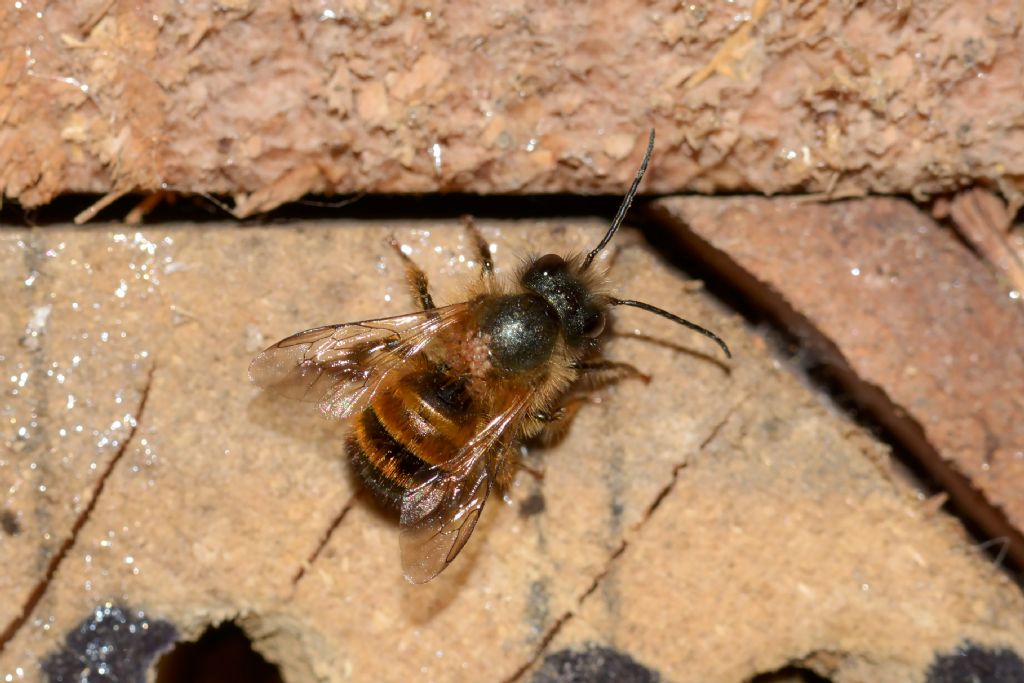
567	286
563	286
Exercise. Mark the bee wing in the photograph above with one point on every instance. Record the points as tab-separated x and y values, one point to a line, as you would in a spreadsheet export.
440	512
340	367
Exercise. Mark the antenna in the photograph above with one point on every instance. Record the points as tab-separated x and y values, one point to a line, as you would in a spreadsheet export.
674	318
625	205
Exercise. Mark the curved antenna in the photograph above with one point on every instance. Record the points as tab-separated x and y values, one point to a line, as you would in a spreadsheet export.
674	318
625	205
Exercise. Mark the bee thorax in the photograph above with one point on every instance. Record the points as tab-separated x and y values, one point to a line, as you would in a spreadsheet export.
523	330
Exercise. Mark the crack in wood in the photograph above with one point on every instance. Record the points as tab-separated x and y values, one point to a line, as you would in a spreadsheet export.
619	551
335	523
36	594
545	641
898	425
680	466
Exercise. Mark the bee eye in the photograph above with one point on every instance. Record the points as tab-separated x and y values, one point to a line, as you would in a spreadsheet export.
548	263
594	324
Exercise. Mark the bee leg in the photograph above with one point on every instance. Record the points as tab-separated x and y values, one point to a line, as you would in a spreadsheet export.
503	471
416	277
532	471
483	249
566	411
556	423
605	371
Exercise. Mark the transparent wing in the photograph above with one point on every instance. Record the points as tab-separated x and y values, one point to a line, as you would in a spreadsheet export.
340	367
440	512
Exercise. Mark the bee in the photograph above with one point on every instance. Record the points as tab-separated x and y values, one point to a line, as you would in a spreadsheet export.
438	399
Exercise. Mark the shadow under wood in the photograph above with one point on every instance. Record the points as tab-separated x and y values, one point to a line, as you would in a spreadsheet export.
729	280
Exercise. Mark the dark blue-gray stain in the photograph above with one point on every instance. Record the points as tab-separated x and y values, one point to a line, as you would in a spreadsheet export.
593	664
977	664
113	644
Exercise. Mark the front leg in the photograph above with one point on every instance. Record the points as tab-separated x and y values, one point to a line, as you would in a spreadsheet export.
604	371
482	248
415	276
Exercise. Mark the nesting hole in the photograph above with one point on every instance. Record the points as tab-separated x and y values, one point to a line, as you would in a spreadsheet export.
222	654
790	674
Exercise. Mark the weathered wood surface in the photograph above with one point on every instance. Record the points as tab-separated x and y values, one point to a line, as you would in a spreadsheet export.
270	101
715	524
919	330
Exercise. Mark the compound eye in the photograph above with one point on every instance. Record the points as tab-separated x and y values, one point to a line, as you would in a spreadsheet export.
594	324
548	263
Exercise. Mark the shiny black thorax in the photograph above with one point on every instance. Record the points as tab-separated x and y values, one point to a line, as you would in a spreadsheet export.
524	328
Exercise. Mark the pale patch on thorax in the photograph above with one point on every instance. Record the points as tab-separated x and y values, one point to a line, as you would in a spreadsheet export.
474	354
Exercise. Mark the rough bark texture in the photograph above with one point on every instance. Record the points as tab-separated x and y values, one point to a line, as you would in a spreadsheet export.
710	526
269	101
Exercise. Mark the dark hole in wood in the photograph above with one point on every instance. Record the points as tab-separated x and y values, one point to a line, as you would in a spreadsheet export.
223	654
790	674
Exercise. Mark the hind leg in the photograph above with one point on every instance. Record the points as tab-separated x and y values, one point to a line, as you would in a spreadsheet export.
415	276
554	425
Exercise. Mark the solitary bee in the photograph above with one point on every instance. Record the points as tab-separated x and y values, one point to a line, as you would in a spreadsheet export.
438	398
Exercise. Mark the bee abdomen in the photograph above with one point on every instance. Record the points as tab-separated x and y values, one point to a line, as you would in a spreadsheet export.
421	421
386	467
